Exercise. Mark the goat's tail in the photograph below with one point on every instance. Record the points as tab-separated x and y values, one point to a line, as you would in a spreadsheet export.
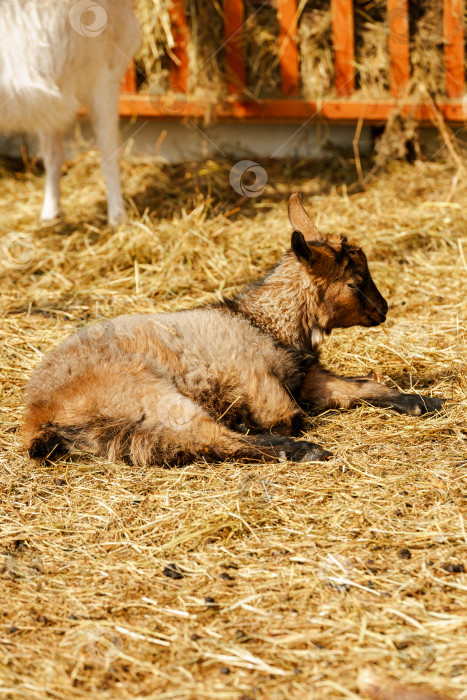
48	432
110	438
49	442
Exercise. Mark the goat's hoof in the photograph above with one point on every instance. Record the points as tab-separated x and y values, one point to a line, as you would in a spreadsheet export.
309	452
116	219
317	456
291	450
416	405
51	218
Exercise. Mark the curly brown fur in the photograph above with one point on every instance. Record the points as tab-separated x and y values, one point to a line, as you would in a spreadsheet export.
171	388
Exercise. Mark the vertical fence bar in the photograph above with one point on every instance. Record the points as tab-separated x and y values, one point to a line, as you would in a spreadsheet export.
454	48
128	83
179	70
399	46
234	18
344	49
288	47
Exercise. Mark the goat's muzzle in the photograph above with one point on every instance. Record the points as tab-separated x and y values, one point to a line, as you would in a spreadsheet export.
377	314
376	321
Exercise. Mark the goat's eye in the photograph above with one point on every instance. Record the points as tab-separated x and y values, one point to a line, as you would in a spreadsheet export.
352	285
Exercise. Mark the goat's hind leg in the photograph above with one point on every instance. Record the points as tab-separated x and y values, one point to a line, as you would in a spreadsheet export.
322	389
179	431
123	413
155	442
51	146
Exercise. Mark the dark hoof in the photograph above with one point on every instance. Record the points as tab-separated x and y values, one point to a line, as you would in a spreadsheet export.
308	452
416	405
293	450
319	455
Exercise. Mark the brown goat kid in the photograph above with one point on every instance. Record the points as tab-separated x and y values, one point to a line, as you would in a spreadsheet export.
172	388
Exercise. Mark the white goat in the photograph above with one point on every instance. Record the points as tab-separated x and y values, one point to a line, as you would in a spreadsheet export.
56	55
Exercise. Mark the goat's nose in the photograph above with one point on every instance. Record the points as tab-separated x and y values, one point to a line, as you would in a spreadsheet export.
384	307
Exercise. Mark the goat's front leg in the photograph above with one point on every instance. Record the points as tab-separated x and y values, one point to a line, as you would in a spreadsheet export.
271	407
51	146
276	417
322	389
104	113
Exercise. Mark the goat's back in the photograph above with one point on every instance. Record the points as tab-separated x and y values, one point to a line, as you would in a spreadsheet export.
193	347
52	54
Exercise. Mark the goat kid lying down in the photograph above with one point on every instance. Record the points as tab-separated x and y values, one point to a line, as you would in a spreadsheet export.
56	55
175	387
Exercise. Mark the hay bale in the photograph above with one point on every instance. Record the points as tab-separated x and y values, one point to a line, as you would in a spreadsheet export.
157	39
261	41
371	48
426	48
208	70
316	54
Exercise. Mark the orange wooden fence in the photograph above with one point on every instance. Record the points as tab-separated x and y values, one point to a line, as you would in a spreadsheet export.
344	106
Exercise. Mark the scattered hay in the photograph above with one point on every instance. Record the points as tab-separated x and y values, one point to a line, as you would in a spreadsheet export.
290	577
400	140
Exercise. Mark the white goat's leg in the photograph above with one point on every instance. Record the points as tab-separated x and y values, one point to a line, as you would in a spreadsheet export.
51	145
104	113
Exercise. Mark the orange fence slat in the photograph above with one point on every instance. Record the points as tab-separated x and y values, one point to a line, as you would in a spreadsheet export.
343	41
399	46
454	48
179	55
128	83
234	17
288	47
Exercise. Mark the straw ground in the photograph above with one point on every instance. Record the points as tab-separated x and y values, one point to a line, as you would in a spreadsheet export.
238	580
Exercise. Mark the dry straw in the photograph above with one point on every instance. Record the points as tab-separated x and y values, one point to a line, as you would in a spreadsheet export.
238	581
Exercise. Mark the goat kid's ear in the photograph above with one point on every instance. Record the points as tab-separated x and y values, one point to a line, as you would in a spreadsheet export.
300	247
